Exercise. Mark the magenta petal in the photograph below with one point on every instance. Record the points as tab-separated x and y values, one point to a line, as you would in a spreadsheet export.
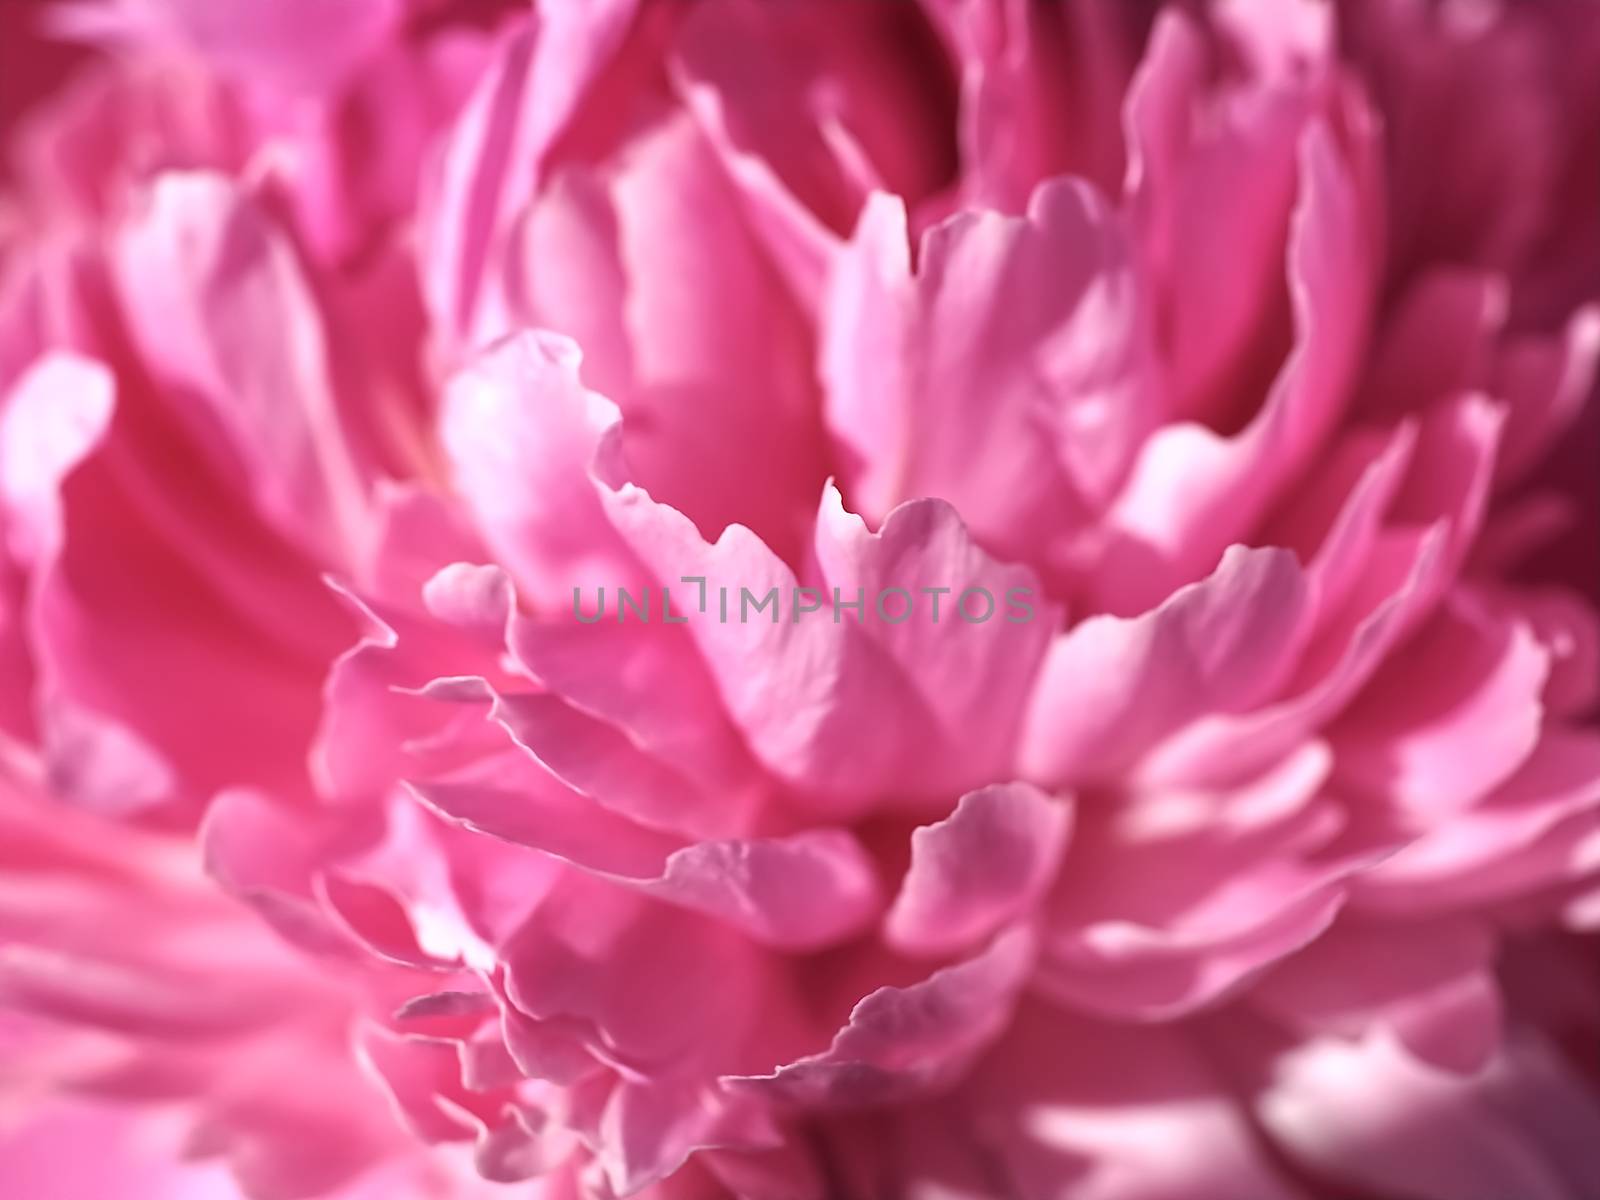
297	45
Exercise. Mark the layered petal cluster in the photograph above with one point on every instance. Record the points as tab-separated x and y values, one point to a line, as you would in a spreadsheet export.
923	600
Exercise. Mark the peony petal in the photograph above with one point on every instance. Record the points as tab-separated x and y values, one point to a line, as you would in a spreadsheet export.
979	869
1506	845
56	415
1430	518
297	45
902	1042
1192	492
226	320
1111	688
969	669
559	967
1043	93
1439	342
509	797
494	155
688	324
648	1129
1179	898
122	578
799	892
1365	1115
1066	379
801	688
521	432
809	110
89	1151
1212	180
1429	983
1076	1102
1448	718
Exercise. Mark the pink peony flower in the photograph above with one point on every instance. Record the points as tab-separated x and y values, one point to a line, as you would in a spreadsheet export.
934	600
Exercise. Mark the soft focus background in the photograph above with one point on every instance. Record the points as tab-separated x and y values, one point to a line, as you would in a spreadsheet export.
344	342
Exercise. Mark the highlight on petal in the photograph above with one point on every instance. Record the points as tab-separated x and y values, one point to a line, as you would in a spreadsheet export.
56	413
1518	1126
522	432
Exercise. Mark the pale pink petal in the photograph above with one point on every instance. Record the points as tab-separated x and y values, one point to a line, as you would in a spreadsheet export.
56	414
